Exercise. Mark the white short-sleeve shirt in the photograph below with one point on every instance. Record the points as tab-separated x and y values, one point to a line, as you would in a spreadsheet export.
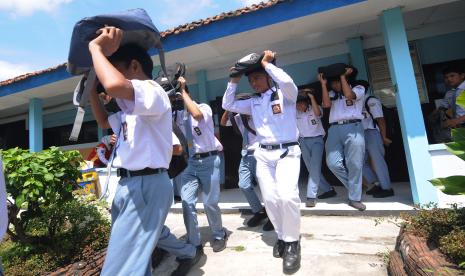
449	99
176	140
203	131
343	109
309	124
376	109
143	128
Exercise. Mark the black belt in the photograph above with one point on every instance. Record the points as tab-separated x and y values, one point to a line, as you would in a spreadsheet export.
279	146
345	122
147	171
205	154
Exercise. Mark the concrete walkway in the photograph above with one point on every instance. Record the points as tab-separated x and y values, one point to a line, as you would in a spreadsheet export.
331	245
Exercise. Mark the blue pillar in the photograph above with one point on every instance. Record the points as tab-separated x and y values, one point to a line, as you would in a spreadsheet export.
357	57
408	104
35	125
202	85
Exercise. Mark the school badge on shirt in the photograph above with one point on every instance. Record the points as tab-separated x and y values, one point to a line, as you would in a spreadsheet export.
276	108
349	102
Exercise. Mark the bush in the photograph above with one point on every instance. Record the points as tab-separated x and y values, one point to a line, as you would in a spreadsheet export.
37	181
82	229
453	245
443	228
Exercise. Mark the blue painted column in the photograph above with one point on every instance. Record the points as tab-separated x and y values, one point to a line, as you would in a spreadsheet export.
100	134
202	85
357	57
35	125
408	104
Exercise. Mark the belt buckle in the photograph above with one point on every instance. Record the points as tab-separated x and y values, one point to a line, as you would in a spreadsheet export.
269	147
340	122
197	156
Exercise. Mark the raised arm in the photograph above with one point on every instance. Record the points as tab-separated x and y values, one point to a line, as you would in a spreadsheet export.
326	101
229	99
315	106
115	84
346	89
285	82
100	114
224	118
191	107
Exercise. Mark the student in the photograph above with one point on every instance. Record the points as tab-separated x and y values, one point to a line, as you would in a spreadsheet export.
454	77
311	133
278	155
247	167
100	155
200	173
375	140
143	152
345	146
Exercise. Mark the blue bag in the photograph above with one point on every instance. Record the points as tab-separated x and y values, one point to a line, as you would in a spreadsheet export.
138	28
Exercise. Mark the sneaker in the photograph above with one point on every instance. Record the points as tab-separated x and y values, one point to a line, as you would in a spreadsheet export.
158	255
257	218
291	258
268	226
220	244
373	189
328	194
311	202
185	265
357	205
381	193
278	249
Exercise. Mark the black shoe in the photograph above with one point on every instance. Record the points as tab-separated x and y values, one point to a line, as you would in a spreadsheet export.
220	244
268	226
186	264
278	249
311	202
373	190
291	258
257	218
158	255
357	205
328	194
177	198
383	193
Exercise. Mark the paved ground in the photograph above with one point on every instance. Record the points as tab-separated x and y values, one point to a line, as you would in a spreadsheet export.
331	245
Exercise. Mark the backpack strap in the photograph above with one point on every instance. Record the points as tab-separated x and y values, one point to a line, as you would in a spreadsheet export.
367	108
245	122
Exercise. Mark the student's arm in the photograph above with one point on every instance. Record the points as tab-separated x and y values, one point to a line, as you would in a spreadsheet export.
285	82
177	147
191	107
382	129
453	123
229	100
315	106
346	89
98	110
326	101
115	84
224	118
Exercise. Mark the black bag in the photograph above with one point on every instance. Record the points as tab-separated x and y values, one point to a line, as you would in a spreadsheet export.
335	70
169	81
435	122
178	163
248	64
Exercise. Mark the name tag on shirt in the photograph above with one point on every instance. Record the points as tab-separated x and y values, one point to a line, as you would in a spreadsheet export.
125	131
313	122
197	131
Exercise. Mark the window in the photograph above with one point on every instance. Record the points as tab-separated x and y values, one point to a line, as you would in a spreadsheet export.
59	136
380	77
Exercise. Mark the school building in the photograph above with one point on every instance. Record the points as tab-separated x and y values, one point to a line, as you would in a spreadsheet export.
400	46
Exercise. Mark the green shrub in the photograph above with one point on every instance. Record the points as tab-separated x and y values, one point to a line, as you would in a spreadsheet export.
35	181
453	245
82	229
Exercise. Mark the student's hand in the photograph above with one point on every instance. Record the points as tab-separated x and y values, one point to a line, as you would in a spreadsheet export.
452	123
322	79
348	72
268	56
113	139
107	41
235	79
387	141
182	83
310	95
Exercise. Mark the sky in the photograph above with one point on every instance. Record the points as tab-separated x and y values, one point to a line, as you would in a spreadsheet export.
35	34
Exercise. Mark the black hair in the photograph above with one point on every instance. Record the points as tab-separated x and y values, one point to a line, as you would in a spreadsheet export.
453	69
132	51
258	70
